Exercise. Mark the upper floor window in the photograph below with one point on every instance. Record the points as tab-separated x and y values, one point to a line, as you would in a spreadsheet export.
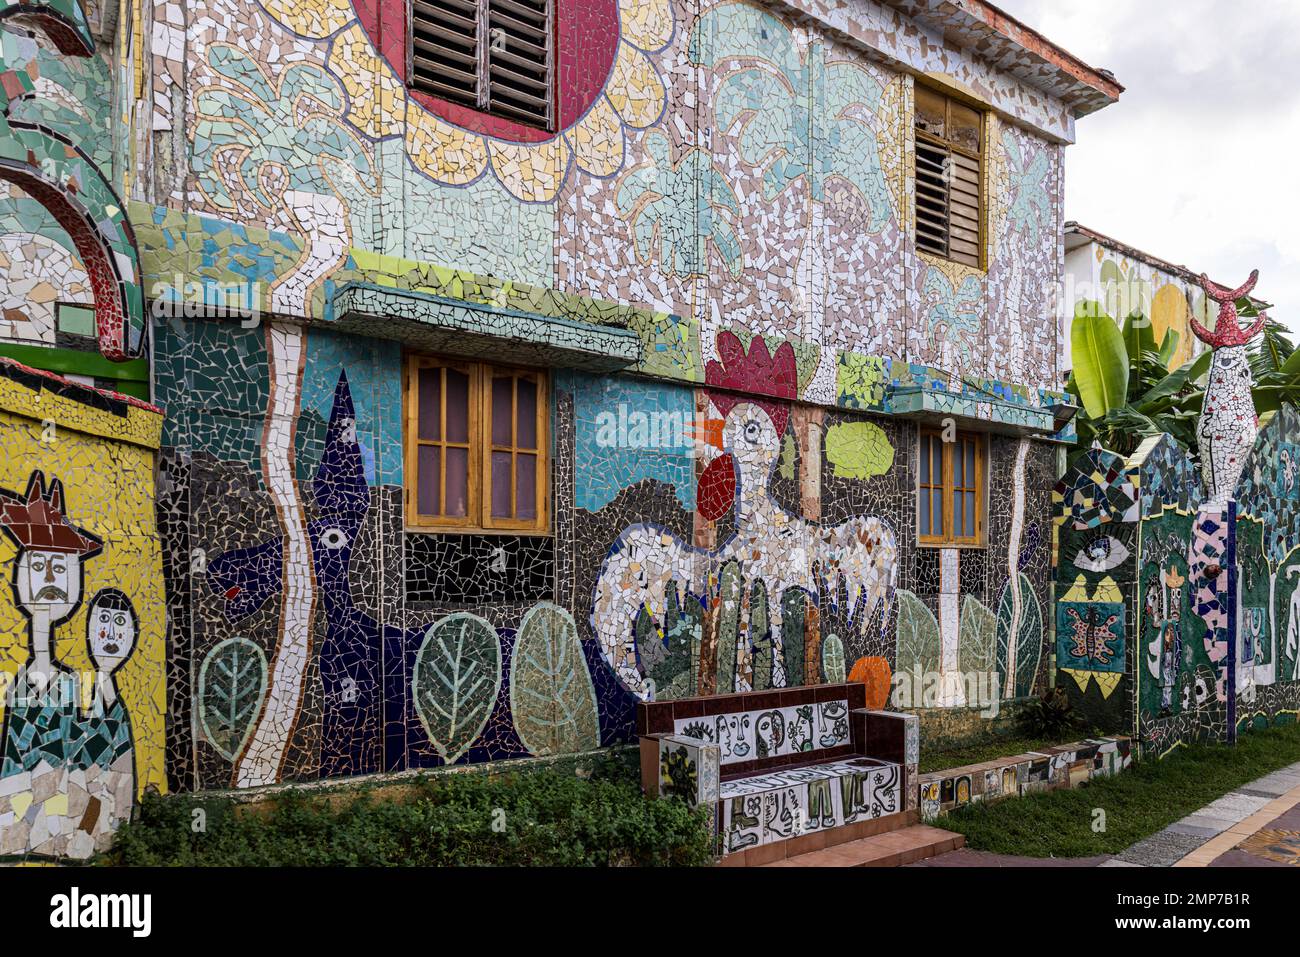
949	178
476	446
950	489
495	56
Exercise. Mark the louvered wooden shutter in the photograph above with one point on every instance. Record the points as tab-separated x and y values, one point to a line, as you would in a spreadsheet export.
493	55
949	219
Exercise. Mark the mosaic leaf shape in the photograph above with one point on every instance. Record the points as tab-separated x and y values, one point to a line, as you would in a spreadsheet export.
918	636
232	681
1029	637
552	699
457	677
977	638
833	660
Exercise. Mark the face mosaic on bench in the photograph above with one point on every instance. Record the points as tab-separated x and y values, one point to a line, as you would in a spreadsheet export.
781	766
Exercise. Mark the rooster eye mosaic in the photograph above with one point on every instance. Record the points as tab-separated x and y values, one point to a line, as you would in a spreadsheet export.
493	411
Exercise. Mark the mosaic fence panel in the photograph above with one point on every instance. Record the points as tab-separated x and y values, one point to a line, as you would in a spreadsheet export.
1172	612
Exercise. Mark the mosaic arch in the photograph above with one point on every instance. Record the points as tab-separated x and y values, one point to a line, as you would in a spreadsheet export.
59	174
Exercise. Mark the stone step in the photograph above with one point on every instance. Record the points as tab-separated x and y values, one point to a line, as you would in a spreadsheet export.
891	849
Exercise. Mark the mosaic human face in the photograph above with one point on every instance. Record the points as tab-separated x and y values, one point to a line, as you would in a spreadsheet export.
50	581
112	636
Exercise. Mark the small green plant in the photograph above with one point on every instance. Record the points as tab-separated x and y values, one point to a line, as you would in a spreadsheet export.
549	816
1050	716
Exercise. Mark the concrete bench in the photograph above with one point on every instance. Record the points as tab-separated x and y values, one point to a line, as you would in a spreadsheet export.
783	766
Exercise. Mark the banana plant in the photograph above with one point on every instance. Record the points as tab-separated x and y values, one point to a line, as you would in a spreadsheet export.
1127	393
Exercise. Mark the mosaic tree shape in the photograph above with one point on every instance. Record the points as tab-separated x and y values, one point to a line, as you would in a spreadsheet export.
552	699
455	683
676	211
977	644
953	312
272	148
54	170
799	119
1027	639
232	683
1030	203
833	665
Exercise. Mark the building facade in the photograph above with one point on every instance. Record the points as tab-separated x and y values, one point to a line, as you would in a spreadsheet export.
523	360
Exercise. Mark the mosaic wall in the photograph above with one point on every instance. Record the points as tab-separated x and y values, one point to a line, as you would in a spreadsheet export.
1266	657
1172	611
64	229
313	636
81	625
724	210
665	187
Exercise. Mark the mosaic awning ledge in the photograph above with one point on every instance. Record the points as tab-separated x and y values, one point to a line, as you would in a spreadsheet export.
1051	419
454	327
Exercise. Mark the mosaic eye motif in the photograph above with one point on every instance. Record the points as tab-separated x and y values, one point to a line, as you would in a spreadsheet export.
1101	554
333	538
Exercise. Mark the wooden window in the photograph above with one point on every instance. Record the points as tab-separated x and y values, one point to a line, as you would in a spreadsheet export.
949	178
950	489
492	55
476	446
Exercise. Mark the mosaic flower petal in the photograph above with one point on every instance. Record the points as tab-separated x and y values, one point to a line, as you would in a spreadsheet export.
597	140
635	88
376	96
533	172
317	19
447	154
647	24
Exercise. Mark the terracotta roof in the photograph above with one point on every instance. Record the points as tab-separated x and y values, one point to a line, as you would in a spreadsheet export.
1017	49
1132	252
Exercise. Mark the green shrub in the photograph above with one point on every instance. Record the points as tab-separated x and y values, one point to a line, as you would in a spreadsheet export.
1050	715
541	817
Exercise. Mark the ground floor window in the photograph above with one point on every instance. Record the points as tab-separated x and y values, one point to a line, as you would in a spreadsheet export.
950	487
476	446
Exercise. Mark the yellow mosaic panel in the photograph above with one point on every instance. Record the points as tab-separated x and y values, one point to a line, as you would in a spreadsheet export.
108	492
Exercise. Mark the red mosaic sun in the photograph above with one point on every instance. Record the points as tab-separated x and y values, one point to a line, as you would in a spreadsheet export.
586	44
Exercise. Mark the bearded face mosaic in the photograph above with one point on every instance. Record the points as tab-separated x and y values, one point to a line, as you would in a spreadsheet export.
499	405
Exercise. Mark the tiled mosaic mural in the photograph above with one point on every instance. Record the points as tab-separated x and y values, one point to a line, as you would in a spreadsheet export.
1173	612
81	655
723	210
387	617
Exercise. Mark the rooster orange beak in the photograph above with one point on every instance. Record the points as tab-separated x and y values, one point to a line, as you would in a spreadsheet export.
708	430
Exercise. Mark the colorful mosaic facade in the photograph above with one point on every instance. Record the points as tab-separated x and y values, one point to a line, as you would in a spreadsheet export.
714	255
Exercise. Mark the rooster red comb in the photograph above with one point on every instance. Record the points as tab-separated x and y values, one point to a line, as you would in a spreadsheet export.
36	521
756	372
1227	329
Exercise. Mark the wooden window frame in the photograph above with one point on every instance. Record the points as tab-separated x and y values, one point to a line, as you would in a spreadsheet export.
483	69
979	157
478	495
947	485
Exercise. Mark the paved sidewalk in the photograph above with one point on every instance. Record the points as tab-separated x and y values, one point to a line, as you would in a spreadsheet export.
1238	818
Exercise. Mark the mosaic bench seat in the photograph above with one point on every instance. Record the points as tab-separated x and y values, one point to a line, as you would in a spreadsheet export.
783	766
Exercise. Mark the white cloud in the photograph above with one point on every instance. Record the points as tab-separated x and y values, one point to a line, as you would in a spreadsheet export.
1195	163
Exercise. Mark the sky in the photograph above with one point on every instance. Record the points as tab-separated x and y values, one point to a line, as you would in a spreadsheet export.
1196	163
